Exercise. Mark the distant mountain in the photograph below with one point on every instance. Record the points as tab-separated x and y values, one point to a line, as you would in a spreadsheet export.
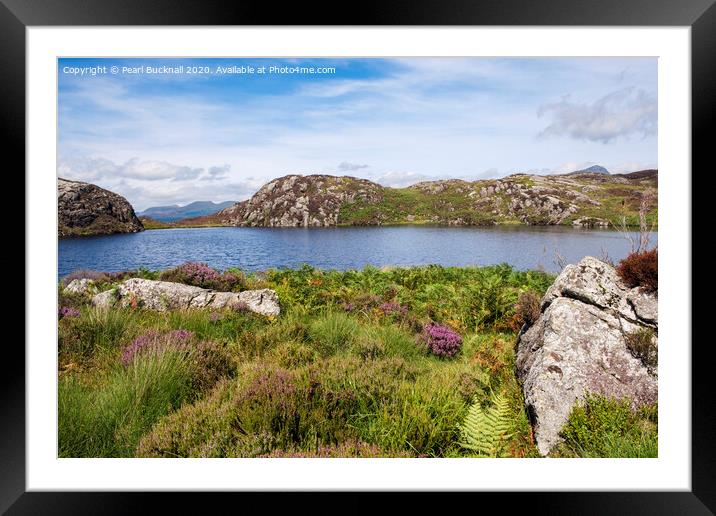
176	212
594	169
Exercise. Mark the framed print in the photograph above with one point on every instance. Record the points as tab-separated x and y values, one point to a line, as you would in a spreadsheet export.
416	250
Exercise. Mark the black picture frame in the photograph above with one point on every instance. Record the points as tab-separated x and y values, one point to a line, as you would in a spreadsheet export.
700	15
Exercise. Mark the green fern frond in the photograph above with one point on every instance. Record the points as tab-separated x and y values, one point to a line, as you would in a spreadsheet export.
485	431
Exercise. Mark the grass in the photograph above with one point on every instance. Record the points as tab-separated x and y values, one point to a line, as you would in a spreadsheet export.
602	427
107	419
454	203
195	222
340	372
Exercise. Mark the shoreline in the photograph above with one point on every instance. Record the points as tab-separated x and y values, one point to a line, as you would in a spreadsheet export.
399	224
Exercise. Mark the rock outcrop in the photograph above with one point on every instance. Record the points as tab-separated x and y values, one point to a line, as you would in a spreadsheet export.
301	201
84	287
581	344
586	199
85	209
165	295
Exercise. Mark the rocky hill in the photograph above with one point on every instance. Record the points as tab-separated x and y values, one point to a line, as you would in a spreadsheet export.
303	201
85	209
580	199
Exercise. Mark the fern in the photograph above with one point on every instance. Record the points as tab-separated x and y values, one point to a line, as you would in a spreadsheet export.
485	431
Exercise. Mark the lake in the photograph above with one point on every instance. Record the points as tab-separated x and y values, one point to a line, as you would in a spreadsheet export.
524	247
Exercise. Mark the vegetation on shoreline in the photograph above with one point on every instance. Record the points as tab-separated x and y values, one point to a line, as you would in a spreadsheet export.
391	362
206	221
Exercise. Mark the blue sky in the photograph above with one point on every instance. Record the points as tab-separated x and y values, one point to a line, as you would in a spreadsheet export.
163	139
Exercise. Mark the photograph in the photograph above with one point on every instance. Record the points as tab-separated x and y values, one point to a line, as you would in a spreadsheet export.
358	257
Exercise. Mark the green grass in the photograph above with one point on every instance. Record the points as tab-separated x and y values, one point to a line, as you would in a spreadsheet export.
603	427
453	204
97	331
107	419
336	373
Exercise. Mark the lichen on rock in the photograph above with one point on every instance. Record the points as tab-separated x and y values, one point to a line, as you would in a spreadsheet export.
579	346
164	295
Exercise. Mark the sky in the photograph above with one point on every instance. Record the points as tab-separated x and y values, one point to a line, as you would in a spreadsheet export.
159	135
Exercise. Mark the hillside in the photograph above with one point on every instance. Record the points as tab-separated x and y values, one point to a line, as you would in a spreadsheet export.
581	199
594	169
84	209
191	210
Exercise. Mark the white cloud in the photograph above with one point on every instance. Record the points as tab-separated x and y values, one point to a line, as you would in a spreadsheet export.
634	166
490	173
573	166
97	168
86	169
350	167
152	183
216	173
396	179
621	113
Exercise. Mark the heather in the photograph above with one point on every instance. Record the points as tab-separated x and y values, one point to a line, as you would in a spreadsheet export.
641	269
441	340
363	363
201	275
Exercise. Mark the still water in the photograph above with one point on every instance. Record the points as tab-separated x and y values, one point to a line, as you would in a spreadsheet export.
524	247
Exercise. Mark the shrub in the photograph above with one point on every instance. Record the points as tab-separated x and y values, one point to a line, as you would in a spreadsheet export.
640	269
210	363
527	308
393	308
606	427
642	345
201	275
440	340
